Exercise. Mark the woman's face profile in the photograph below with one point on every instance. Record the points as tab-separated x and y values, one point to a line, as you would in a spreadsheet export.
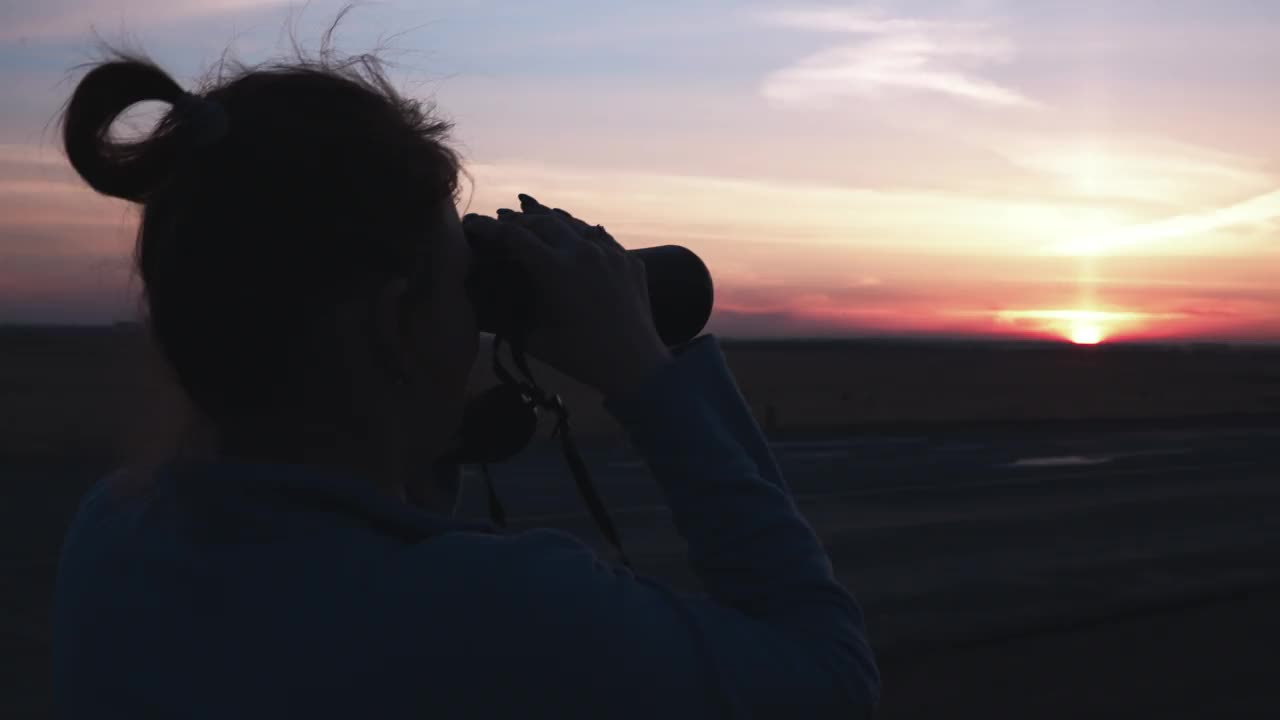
446	342
449	338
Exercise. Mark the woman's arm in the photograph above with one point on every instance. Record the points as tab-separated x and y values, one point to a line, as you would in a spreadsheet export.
776	635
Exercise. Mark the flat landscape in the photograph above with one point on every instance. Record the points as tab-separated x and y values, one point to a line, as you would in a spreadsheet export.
1034	531
103	391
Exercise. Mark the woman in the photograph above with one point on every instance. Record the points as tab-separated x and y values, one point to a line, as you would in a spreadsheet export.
305	275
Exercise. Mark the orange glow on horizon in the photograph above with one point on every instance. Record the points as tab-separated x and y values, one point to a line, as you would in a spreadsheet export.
775	312
1086	327
1081	327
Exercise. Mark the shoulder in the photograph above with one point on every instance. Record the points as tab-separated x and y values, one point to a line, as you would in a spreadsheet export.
543	578
496	559
129	482
120	487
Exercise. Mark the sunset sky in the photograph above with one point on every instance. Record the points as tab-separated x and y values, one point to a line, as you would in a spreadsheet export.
1081	170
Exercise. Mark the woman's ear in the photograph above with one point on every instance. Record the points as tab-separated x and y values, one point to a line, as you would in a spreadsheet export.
391	342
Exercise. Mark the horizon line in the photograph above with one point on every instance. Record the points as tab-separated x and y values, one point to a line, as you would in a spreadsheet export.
810	339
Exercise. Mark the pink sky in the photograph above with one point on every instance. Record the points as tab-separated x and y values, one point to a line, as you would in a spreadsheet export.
995	169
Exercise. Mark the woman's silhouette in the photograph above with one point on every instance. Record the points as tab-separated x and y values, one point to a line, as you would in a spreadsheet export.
305	275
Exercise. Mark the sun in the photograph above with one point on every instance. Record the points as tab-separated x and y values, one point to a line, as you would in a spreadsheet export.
1086	334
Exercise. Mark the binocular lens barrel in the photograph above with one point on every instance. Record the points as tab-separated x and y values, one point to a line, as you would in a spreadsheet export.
681	293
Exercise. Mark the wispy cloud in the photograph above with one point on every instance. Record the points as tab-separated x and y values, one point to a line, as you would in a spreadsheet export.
891	53
47	212
1258	210
1138	167
727	212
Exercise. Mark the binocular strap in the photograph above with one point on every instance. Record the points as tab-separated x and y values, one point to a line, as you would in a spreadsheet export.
496	513
577	467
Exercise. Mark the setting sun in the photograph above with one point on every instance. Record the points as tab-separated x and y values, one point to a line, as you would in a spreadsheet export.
1086	335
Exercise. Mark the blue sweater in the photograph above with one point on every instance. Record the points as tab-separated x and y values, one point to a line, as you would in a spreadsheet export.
242	590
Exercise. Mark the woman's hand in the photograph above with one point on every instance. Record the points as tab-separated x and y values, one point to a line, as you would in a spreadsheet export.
592	316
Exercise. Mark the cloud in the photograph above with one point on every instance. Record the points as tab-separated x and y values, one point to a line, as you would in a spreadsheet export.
1262	209
1093	316
891	54
725	213
1135	166
35	193
1192	199
1073	323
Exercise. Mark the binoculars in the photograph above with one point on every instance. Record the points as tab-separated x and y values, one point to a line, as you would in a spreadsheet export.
680	291
501	421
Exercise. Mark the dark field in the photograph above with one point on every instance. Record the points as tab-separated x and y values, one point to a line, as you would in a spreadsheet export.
1034	531
103	391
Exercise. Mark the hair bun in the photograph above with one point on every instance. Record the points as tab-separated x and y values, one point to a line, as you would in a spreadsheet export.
128	170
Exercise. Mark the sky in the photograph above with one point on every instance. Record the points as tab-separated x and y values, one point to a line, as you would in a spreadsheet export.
1070	170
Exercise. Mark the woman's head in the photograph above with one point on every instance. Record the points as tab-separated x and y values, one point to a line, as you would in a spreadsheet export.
299	246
